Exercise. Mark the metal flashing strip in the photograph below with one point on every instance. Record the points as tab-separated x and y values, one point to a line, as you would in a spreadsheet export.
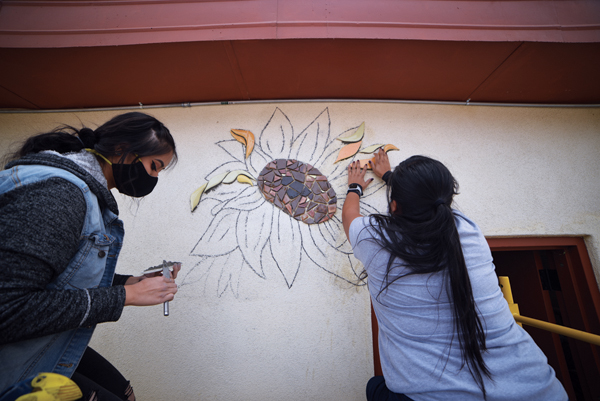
239	102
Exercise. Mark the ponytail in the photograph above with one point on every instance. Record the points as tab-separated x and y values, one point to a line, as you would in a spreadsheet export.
64	139
471	335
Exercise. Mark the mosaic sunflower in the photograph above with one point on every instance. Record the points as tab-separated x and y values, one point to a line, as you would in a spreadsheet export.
281	206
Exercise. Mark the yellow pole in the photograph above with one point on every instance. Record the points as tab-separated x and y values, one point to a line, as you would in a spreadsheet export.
558	329
540	324
507	292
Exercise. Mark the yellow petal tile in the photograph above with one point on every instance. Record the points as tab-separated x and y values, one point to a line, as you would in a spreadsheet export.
357	136
372	148
231	176
216	180
196	195
242	179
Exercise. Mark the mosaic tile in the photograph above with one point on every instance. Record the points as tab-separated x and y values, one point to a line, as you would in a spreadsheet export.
295	203
318	216
298	176
298	186
290	185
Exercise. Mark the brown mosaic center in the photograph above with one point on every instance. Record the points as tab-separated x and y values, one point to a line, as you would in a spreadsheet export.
298	189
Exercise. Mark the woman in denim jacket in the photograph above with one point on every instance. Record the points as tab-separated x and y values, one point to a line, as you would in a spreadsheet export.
60	238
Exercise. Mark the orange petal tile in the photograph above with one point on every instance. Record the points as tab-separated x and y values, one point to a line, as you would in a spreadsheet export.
245	138
348	151
365	163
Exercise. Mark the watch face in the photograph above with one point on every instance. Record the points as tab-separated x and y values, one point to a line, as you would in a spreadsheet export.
353	186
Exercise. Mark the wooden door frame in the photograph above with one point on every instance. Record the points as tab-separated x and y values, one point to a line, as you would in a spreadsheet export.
544	243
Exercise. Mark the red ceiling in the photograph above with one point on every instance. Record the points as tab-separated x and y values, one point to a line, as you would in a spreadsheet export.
74	54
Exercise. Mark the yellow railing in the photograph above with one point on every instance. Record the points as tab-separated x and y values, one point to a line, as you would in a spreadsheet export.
540	324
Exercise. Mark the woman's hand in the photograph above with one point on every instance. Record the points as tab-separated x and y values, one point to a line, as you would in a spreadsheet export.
134	279
356	175
381	163
151	291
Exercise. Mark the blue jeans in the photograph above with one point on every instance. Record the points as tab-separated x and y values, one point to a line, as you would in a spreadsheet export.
378	391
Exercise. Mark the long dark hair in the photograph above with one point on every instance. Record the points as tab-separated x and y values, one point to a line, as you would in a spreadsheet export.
422	233
128	133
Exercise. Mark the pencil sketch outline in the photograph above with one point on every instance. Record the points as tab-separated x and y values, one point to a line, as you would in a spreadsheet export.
228	245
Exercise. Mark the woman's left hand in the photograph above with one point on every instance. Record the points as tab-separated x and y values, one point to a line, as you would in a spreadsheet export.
134	279
356	175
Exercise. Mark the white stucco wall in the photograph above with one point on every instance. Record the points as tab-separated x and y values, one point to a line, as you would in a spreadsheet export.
522	172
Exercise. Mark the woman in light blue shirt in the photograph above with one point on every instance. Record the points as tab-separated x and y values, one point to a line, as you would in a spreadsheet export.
445	330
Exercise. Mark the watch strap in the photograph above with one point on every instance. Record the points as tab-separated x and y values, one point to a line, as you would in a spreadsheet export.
357	188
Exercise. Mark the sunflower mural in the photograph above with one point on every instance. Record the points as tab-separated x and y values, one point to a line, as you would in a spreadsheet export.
276	199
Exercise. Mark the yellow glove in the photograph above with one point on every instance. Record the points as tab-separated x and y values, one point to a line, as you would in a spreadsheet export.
52	387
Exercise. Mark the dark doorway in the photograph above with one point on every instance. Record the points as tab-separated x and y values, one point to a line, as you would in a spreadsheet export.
552	280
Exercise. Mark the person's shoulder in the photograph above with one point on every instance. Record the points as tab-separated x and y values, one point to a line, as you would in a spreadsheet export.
360	223
357	229
464	223
73	172
39	197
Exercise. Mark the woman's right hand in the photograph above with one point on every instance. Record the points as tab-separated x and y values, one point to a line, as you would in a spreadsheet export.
150	291
380	163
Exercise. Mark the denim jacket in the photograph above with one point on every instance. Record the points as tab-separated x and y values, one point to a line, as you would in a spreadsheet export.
92	266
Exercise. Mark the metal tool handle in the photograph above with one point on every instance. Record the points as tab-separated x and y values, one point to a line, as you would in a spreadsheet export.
167	274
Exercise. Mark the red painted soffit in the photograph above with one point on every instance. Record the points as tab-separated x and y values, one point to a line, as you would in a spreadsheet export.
71	23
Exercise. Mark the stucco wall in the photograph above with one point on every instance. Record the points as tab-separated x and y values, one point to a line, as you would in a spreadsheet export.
296	327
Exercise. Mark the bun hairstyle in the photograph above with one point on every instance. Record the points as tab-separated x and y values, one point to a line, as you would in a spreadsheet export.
87	137
422	233
127	133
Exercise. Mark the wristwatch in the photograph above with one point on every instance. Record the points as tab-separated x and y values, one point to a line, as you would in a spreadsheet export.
356	188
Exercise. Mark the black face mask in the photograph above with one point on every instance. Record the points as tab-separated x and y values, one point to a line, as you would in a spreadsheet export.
133	179
130	179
